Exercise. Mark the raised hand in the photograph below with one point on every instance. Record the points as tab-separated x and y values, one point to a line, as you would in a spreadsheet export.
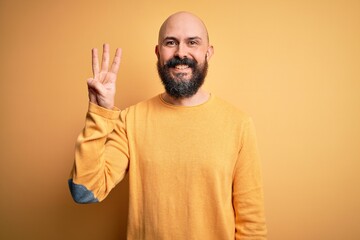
102	86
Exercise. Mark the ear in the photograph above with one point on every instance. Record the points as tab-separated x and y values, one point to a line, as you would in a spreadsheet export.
157	51
209	52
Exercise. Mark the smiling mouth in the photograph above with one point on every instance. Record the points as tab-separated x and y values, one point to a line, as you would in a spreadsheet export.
181	67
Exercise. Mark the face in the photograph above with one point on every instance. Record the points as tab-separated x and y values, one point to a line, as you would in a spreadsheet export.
178	85
183	52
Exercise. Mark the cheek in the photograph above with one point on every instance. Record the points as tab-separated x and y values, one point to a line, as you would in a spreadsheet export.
201	58
165	55
200	55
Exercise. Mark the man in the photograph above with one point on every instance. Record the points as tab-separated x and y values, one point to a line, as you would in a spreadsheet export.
192	158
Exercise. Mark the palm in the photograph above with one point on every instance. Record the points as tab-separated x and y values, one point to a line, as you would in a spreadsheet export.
102	86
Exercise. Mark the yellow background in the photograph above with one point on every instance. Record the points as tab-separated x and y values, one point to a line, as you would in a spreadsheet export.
292	65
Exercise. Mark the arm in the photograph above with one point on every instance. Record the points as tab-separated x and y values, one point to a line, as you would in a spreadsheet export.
247	189
101	155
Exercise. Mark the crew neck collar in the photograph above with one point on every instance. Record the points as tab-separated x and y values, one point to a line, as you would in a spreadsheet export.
169	105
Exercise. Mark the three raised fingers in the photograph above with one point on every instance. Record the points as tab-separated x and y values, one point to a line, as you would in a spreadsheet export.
105	61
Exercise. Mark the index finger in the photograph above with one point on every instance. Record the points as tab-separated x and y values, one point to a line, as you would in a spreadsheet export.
116	62
95	62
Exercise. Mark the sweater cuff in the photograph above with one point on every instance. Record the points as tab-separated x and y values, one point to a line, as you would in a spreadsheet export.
104	112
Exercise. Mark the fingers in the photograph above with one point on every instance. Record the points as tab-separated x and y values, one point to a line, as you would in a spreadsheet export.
95	62
116	62
105	58
105	62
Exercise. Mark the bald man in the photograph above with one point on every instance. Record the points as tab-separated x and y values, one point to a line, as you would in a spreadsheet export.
192	158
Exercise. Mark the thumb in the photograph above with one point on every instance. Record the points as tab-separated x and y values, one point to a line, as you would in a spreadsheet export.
95	86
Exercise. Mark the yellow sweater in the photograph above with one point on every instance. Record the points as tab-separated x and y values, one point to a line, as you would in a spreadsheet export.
193	171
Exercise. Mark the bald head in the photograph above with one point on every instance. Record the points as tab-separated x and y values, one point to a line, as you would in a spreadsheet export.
183	52
183	23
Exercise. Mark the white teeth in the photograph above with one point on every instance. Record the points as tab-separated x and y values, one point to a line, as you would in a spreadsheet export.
181	66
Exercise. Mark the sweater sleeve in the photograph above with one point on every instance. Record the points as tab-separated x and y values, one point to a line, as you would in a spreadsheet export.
247	189
101	155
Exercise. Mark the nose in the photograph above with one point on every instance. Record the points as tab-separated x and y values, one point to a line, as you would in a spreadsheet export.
181	51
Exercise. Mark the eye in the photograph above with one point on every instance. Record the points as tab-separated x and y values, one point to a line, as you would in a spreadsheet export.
170	43
193	43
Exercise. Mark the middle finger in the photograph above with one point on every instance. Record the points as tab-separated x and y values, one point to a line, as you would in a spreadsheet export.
105	58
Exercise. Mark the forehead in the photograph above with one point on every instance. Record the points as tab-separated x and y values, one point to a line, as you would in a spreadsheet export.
183	26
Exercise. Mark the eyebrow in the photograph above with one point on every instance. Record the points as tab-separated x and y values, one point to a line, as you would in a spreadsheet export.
195	38
174	38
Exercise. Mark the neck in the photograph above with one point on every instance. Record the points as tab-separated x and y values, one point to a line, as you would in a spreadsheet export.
200	97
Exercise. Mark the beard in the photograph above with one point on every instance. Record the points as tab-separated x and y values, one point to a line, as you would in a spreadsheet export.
178	86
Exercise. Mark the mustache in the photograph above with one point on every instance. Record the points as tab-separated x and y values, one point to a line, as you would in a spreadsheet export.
178	61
